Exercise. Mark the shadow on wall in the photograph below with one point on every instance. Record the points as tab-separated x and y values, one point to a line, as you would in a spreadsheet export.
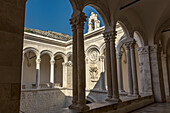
98	93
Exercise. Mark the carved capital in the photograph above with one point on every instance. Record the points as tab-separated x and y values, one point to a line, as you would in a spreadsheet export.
52	62
111	35
102	58
143	50
78	21
119	54
38	60
127	45
155	49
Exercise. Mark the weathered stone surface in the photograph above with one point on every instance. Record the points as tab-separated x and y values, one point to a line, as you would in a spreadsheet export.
44	100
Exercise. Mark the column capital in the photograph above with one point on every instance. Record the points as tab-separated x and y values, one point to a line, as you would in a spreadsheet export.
143	50
69	63
52	62
38	60
78	21
102	58
132	45
110	35
155	49
119	54
127	45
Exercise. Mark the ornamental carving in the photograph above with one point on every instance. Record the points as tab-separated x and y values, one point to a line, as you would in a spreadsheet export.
143	50
93	56
94	73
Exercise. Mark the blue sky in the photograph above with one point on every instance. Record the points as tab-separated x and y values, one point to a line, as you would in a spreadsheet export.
52	15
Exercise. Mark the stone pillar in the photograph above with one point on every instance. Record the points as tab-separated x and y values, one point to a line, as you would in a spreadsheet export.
130	81
64	74
38	61
81	63
134	72
145	70
52	62
80	55
74	65
108	68
113	66
120	76
157	76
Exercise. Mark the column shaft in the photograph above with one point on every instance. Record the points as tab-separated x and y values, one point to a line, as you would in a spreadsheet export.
134	72
64	74
130	81
114	67
120	77
108	68
52	73
81	63
38	60
74	68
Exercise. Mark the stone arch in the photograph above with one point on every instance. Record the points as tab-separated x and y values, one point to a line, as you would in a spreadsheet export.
61	54
138	38
103	12
125	24
92	47
161	29
69	54
48	52
102	48
31	49
126	31
121	42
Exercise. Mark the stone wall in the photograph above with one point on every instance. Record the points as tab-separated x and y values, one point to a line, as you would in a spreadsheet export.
43	100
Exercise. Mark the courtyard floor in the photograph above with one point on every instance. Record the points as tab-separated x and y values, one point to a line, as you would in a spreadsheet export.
155	108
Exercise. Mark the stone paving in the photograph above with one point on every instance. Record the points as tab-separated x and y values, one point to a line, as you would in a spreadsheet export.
155	108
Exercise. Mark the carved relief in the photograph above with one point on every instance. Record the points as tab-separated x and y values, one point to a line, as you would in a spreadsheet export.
94	73
143	50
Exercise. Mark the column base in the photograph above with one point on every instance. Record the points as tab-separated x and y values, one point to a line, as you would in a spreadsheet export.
117	100
73	106
51	85
123	93
83	108
136	95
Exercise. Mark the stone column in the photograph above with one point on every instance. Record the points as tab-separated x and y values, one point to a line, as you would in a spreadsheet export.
102	63
112	36
81	63
134	72
38	61
80	57
64	74
120	76
74	65
157	76
130	81
52	62
108	67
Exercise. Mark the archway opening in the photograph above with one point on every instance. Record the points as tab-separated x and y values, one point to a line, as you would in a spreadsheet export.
58	71
45	71
29	70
